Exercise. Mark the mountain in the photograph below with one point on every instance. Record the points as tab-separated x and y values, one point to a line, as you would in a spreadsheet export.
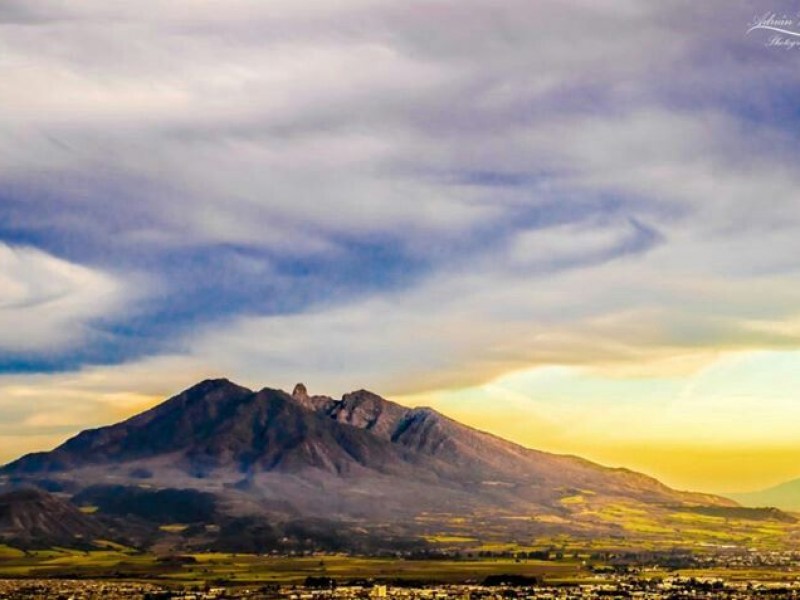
785	496
359	463
34	518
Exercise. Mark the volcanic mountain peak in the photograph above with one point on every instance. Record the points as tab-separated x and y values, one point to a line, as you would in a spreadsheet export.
360	457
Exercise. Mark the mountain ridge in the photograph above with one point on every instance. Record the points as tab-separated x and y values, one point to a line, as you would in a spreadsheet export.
213	421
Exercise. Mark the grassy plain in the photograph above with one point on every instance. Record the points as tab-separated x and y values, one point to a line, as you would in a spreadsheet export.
594	524
248	568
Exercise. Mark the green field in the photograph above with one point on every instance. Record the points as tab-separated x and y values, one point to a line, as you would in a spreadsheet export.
247	568
600	529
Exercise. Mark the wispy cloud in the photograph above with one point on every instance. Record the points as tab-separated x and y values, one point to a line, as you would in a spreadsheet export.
47	304
405	196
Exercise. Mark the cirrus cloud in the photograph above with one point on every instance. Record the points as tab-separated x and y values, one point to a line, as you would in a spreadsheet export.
48	303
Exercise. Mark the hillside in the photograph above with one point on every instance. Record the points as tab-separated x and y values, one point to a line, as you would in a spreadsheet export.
31	518
785	496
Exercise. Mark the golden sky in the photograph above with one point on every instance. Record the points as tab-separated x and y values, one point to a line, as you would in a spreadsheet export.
717	422
732	425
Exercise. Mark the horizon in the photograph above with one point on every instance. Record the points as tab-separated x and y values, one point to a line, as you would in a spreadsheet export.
573	225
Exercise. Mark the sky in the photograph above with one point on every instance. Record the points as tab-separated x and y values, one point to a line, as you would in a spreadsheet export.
575	224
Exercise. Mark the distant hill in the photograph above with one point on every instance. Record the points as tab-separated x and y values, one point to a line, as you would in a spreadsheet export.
374	467
31	518
785	496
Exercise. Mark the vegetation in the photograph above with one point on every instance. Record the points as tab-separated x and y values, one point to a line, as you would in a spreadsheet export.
250	568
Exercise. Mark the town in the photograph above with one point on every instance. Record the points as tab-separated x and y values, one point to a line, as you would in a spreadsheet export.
726	573
607	587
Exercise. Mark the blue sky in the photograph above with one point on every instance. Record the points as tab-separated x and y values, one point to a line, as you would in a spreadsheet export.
421	198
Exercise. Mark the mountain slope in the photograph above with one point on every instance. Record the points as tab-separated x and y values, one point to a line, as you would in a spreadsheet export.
177	423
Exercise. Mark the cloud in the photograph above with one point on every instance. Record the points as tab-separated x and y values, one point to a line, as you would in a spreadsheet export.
620	319
404	197
288	129
47	303
562	246
272	124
